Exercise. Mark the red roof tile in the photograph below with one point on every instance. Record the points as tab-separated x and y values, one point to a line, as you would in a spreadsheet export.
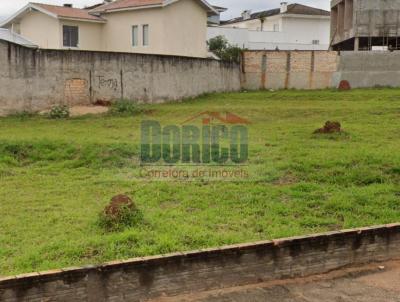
121	4
68	12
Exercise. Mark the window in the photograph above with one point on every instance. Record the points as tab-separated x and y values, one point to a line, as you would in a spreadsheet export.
276	27
145	35
70	36
315	42
135	35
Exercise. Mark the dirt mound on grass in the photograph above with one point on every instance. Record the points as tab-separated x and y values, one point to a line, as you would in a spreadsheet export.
344	85
330	127
118	204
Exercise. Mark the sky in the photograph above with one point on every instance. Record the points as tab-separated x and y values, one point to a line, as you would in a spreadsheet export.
8	7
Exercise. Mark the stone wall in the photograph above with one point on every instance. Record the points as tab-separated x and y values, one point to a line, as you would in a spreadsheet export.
33	80
288	69
159	276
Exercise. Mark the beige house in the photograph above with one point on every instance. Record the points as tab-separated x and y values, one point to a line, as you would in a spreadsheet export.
171	27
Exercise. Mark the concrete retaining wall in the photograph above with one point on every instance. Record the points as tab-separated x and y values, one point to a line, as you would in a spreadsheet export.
151	277
33	80
288	69
369	69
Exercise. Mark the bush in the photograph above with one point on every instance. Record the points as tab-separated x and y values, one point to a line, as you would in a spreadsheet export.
227	52
59	112
127	218
125	107
119	214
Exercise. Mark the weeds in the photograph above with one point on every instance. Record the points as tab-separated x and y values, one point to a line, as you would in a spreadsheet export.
125	107
126	217
59	112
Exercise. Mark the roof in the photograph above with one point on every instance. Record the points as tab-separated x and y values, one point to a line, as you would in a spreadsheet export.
54	11
68	12
93	15
292	9
121	4
300	9
138	4
220	8
8	35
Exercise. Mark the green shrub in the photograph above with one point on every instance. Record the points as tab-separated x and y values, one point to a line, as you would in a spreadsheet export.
220	46
59	112
125	218
125	107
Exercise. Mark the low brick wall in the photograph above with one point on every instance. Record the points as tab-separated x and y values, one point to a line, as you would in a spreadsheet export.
151	277
288	69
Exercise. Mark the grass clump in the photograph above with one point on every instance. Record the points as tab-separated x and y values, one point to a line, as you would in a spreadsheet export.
125	107
121	213
59	112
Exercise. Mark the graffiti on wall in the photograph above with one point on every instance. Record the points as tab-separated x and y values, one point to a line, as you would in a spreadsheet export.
108	83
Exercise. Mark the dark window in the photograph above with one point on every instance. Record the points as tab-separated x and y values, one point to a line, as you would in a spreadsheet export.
70	36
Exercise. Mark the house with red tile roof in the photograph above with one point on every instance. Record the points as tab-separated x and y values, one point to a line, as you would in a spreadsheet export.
169	27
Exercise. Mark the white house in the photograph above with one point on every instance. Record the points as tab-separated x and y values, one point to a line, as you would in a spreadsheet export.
290	27
215	19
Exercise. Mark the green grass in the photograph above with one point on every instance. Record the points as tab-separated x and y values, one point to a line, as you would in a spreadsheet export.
57	175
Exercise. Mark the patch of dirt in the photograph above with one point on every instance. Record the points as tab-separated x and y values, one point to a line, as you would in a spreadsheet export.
387	278
84	110
330	127
287	179
118	204
103	103
368	283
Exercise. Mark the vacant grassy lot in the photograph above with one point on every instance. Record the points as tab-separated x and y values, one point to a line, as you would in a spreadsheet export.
57	175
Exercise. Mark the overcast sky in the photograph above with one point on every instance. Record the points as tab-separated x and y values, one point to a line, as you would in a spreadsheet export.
7	7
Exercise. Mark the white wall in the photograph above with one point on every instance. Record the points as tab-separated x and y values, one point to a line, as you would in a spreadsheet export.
295	33
305	29
41	30
255	24
177	29
236	36
89	34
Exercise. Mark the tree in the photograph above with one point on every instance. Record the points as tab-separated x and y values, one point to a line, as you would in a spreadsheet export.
220	46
